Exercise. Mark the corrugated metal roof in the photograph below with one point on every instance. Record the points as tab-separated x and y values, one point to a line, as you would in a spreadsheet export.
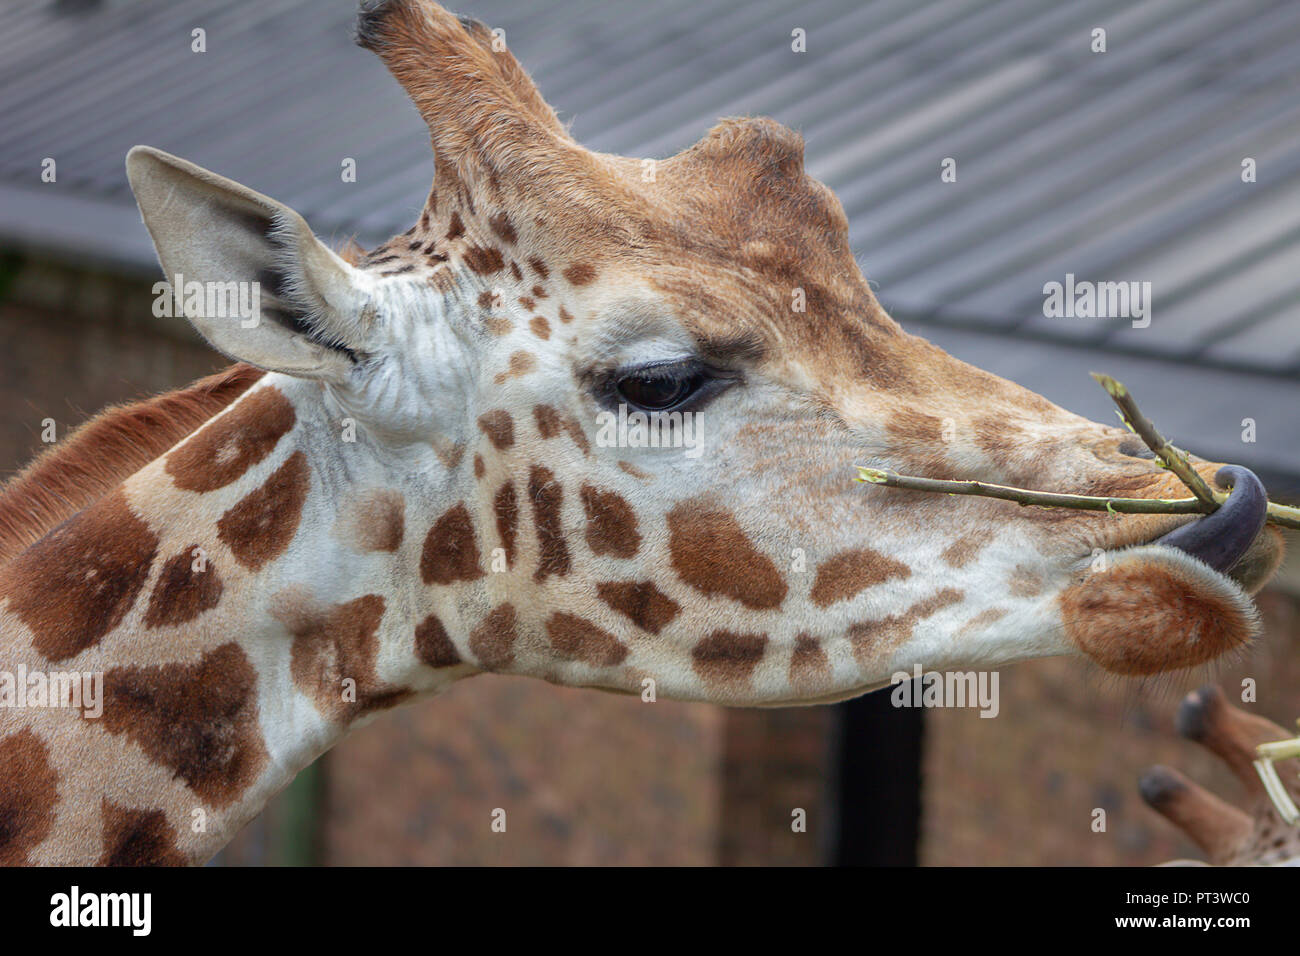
1123	165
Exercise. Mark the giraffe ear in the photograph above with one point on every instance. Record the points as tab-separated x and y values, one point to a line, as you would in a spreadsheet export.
247	271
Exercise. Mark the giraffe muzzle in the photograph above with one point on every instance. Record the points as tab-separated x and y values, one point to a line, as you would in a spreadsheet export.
1184	598
1223	538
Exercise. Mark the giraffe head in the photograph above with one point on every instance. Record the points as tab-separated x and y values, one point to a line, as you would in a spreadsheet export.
502	363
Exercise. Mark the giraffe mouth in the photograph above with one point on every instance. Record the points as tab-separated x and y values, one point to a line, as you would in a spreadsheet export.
1225	539
1183	599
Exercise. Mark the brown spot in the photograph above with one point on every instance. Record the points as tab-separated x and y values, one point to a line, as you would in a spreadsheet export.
506	505
611	523
521	363
333	654
538	266
548	498
259	528
1025	582
1001	441
576	639
137	837
541	328
915	427
182	593
643	603
565	317
515	272
712	553
228	446
493	641
442	280
504	229
580	273
982	620
634	471
29	794
872	640
77	583
455	228
539	292
848	573
450	550
726	659
449	454
548	420
485	260
499	325
809	667
959	553
480	469
487	299
433	645
499	428
527	303
198	720
550	423
376	521
576	433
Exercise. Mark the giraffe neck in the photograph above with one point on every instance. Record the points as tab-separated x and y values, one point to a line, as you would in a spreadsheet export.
239	603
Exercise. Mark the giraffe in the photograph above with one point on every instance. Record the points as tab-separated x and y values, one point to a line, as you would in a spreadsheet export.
1228	835
413	475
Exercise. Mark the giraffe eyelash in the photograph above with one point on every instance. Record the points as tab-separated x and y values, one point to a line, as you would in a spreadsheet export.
708	381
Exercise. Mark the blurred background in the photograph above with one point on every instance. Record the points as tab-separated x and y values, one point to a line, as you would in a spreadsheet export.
1122	165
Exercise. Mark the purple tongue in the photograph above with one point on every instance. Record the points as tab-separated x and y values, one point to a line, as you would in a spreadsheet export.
1221	538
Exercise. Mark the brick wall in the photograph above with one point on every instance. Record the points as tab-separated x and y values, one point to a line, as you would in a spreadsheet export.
583	777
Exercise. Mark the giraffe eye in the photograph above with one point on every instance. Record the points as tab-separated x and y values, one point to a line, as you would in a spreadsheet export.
658	390
667	385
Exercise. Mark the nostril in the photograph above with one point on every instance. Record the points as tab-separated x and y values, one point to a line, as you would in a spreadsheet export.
1135	449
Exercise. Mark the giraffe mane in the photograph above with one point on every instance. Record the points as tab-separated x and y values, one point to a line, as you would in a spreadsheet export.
103	452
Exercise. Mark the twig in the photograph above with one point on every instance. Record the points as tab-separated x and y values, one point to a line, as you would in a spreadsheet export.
1277	791
1284	516
1041	499
1273	786
1203	501
1280	515
1175	459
